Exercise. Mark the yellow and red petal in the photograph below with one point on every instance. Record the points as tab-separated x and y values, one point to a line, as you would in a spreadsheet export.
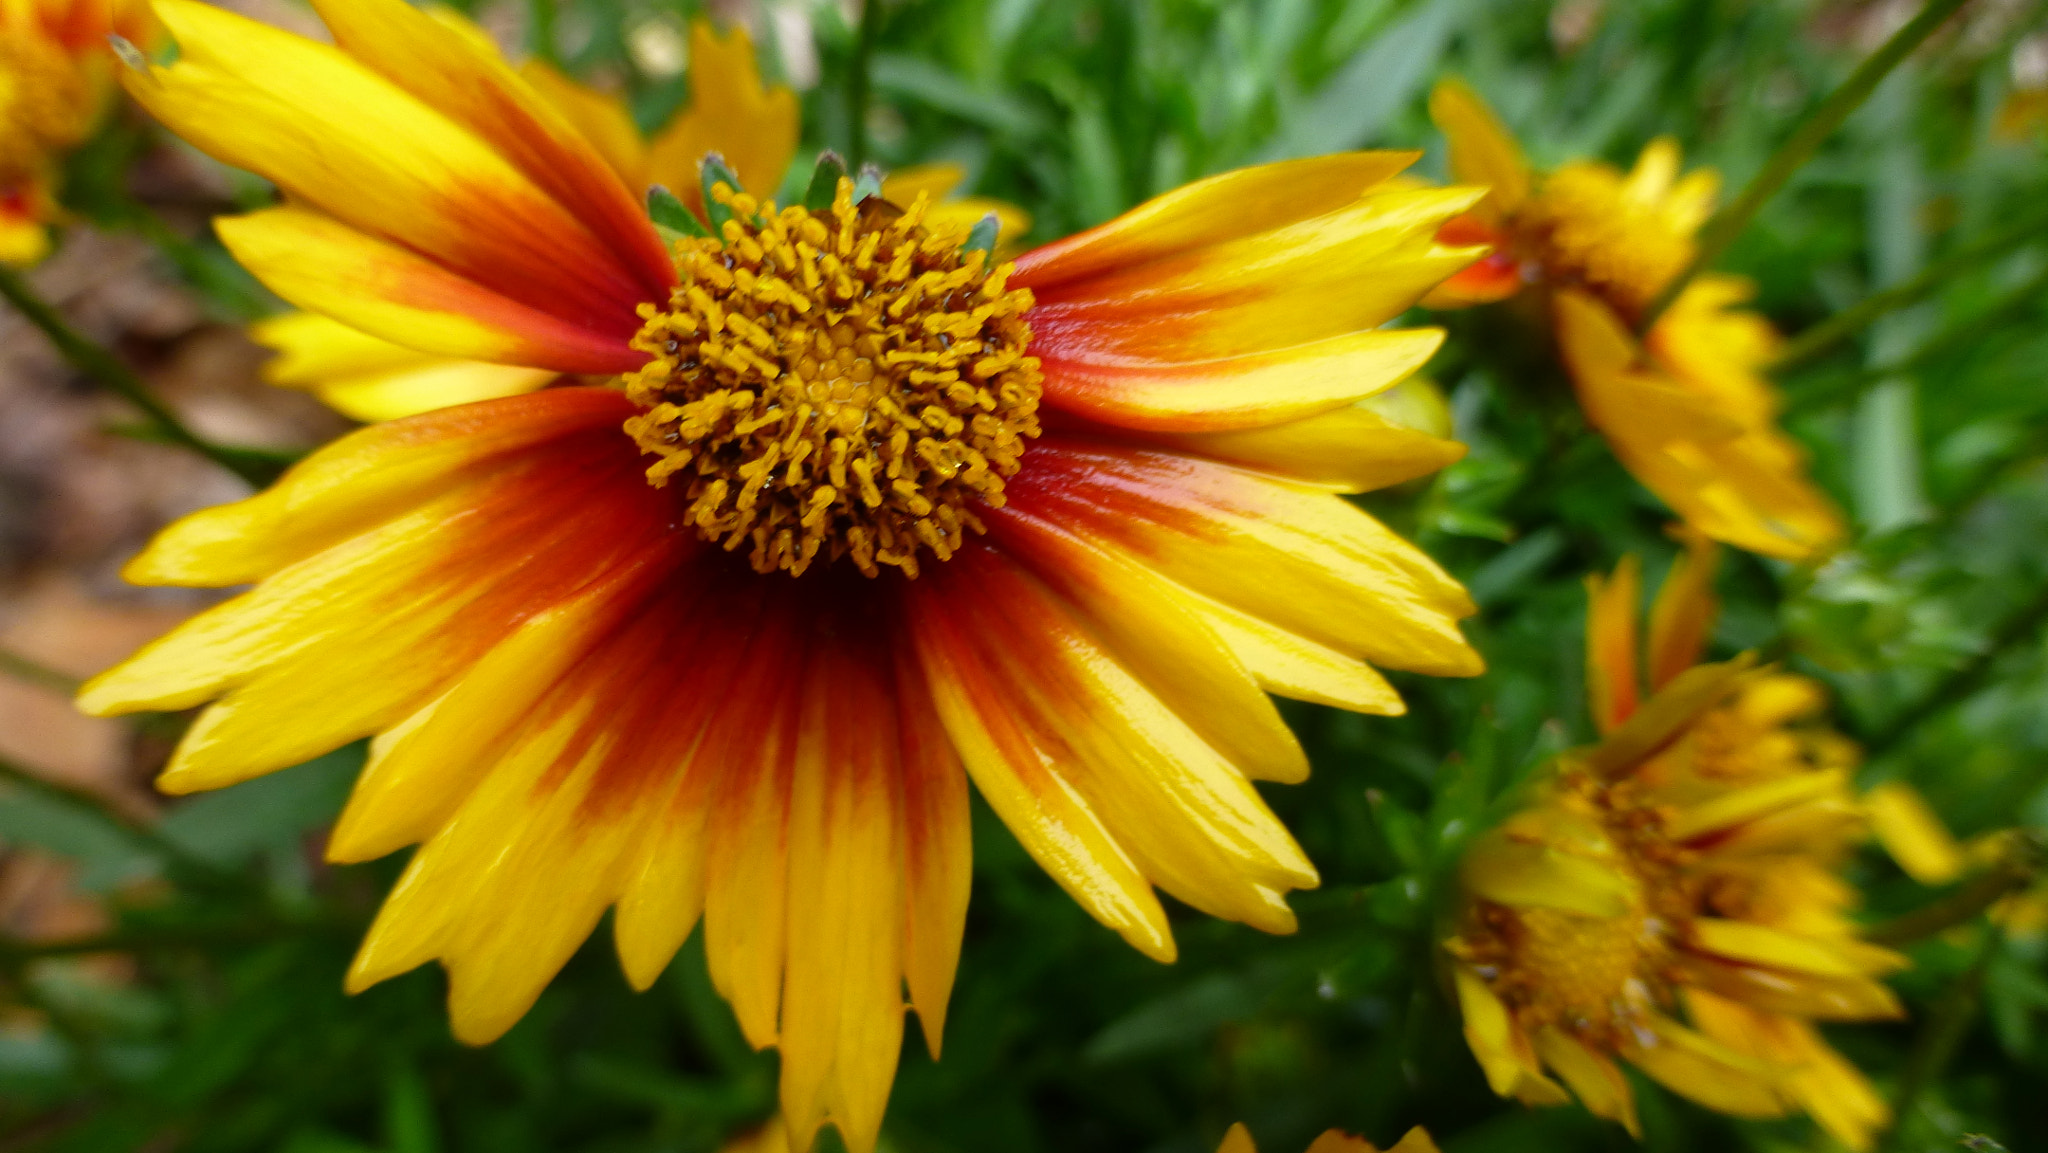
1349	449
460	75
1209	212
1188	819
1346	270
1682	618
371	379
1611	606
337	136
388	291
601	117
1295	557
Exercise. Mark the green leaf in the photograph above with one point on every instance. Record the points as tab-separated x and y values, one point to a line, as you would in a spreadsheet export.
824	181
982	237
671	216
714	171
270	813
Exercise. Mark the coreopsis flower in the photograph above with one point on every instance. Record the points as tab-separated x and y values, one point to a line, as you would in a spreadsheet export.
1672	896
1687	410
55	77
730	112
868	516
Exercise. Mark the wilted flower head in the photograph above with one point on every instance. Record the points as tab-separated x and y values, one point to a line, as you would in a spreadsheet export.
1686	409
1671	897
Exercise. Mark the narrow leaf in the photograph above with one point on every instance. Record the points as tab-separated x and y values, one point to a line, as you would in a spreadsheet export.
824	181
714	171
982	237
868	183
671	215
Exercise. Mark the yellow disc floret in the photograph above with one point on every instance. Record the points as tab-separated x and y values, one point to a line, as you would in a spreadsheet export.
1589	227
1596	976
845	381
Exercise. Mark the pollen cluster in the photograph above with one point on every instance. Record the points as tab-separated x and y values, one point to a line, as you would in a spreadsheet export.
44	106
838	382
1588	231
1597	977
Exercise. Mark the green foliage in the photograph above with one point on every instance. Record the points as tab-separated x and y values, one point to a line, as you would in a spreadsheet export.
233	1033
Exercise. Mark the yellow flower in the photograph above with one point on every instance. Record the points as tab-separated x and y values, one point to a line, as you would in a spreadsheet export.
729	112
1688	411
55	70
869	517
1671	897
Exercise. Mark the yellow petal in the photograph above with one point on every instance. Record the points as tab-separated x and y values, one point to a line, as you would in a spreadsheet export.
1611	608
1027	789
1908	829
1482	151
1682	619
842	1006
1737	806
1763	945
1351	449
1703	1070
1592	1076
1525	875
938	853
729	112
1664	716
1237	1140
600	117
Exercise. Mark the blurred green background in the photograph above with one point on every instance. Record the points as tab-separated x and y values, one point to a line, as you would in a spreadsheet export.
219	1024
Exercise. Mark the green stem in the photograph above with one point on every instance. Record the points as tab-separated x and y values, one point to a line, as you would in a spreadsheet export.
1963	681
2018	869
1726	225
857	84
1827	333
23	669
1940	1038
104	367
542	31
1841	389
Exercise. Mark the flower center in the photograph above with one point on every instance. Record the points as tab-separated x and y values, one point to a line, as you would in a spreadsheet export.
843	381
1595	976
44	106
1586	229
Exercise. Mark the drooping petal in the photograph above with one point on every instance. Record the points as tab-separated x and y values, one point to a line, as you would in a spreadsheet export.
1701	1069
937	850
1592	1076
1914	836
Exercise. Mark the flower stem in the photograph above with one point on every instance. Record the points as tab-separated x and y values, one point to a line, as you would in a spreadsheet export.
21	668
541	31
1940	1038
1827	333
1797	149
2017	868
104	367
857	84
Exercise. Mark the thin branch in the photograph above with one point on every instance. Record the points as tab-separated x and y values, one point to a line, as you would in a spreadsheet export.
21	668
1965	680
2017	869
1726	225
1845	388
106	368
1940	1038
1827	333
